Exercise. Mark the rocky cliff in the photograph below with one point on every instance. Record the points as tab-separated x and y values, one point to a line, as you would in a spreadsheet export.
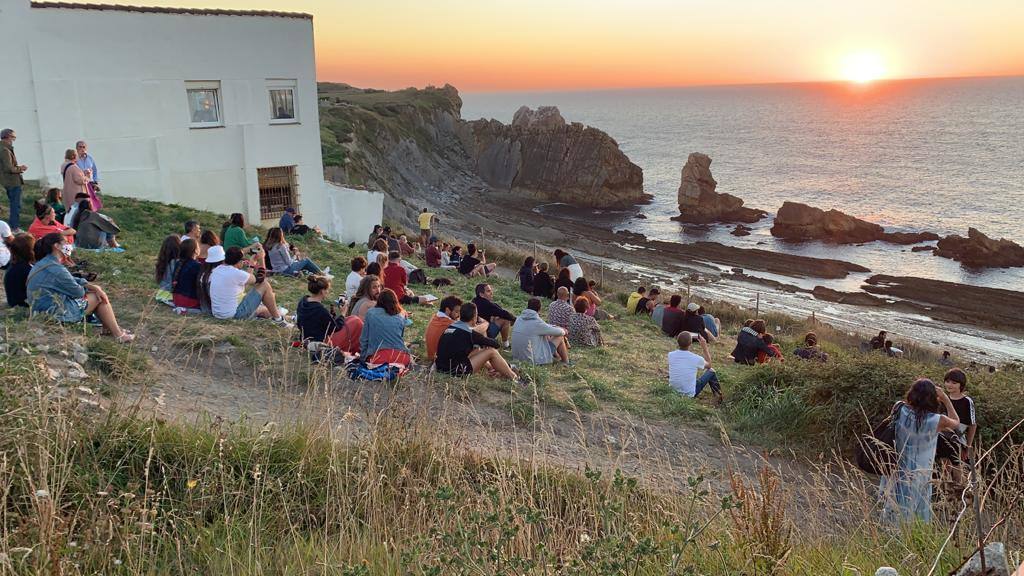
414	146
541	156
700	204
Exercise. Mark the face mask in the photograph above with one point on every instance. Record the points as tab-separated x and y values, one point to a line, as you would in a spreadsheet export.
67	249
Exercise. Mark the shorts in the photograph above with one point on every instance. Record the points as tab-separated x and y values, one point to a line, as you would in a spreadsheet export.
72	311
460	369
425	232
182	301
493	330
948	447
249	305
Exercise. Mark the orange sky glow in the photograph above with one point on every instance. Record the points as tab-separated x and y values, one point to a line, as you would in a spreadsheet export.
498	45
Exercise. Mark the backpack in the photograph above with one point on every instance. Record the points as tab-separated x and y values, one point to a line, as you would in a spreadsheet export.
417	276
876	452
382	373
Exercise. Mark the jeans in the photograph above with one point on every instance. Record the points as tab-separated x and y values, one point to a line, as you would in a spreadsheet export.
14	196
300	265
707	378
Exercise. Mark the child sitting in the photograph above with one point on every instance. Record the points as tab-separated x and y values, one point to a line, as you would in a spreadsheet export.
762	357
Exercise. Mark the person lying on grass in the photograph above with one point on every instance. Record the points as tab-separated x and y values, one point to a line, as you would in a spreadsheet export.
53	291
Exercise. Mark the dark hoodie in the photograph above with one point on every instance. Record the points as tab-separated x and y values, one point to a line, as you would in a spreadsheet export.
526	279
543	286
315	320
748	344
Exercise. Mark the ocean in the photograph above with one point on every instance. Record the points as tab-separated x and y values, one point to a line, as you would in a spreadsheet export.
939	155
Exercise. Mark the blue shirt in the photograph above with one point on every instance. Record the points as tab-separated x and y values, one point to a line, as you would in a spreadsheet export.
381	331
287	223
86	162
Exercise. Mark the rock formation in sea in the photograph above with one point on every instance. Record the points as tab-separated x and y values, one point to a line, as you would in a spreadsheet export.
979	251
542	157
800	222
700	204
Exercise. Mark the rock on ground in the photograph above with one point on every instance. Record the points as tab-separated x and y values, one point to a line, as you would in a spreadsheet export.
700	204
996	563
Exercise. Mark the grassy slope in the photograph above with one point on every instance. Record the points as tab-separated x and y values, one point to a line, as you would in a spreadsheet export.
337	509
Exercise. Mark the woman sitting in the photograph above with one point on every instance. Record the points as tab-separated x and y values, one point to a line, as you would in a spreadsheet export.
284	258
54	197
234	233
582	289
185	283
583	328
94	230
208	240
319	324
72	210
167	263
16	278
810	349
46	223
564	280
527	273
404	247
55	292
366	296
380	246
454	258
382	340
472	265
749	343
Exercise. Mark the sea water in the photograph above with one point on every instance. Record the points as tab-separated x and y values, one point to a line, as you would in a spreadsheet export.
938	155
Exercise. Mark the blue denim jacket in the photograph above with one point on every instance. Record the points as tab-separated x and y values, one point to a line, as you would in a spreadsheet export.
382	331
53	290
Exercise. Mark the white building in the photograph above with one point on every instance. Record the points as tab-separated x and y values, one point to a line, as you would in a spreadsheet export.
214	109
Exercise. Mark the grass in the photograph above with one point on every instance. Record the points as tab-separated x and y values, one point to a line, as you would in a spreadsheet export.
397	495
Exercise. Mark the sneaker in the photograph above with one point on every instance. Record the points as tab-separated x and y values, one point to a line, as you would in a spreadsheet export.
327	272
180	311
281	311
115	249
282	323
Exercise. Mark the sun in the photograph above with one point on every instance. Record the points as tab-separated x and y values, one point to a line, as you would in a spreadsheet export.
862	67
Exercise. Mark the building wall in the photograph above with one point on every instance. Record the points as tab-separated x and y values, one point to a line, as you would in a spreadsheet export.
117	80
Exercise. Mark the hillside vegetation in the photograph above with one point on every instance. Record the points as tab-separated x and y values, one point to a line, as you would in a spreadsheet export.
112	489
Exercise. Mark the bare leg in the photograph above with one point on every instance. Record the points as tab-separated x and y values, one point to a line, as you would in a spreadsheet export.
103	311
269	300
562	351
490	356
506	328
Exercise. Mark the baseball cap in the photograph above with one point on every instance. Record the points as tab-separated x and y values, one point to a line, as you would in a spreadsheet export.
290	210
215	255
693	307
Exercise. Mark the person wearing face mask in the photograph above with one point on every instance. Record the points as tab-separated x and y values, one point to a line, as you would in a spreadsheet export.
53	291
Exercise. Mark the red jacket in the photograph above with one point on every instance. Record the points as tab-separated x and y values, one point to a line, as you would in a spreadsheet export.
395	278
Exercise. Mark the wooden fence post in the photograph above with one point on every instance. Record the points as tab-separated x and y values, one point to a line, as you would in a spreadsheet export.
757	307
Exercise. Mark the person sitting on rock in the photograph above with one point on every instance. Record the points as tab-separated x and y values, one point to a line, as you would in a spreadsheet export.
810	349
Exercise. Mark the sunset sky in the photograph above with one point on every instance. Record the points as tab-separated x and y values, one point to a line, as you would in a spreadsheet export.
496	45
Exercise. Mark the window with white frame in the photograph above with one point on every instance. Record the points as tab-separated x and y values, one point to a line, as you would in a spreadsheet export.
282	101
204	104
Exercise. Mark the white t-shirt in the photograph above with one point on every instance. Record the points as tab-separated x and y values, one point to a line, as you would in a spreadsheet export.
352	283
227	287
5	252
682	371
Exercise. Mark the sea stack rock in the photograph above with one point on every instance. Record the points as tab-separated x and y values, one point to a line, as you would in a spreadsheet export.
799	222
979	251
700	204
542	157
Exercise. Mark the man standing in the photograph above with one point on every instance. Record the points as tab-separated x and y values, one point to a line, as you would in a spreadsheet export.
193	230
11	176
88	165
425	219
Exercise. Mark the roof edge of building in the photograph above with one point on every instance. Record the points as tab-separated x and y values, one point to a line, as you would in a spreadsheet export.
171	10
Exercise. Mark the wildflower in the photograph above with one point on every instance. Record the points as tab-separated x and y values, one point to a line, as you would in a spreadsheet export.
584	538
191	484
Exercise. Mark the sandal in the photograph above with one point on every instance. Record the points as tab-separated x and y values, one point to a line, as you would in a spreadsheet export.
125	337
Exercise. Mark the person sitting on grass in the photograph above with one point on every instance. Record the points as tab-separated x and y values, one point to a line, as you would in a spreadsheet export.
234	233
560	311
432	254
891	351
564	280
454	258
374	235
23	256
712	324
526	275
69	215
658	312
46	223
584	289
301	228
672	319
694	322
380	246
404	248
167	265
366	295
749	343
287	221
319	324
543	284
382	340
54	292
634	298
447	312
810	349
54	197
94	230
185	282
536	341
355	276
683	366
762	357
208	240
285	259
500	320
462	351
228	298
397	279
474	263
583	328
878	342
